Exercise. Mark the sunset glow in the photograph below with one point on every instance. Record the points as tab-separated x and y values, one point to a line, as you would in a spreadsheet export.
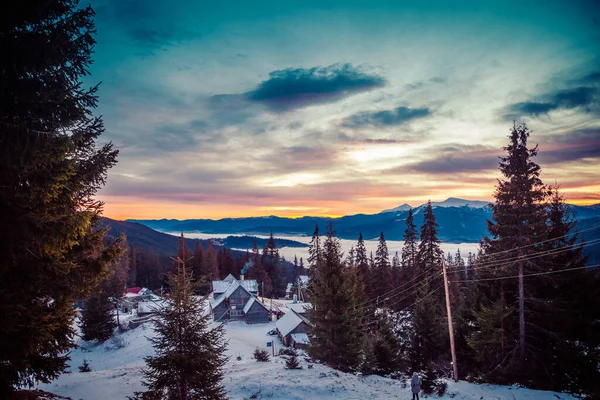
231	110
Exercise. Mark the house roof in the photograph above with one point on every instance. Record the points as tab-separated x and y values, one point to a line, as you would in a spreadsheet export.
288	323
299	307
301	338
227	292
248	305
221	286
251	302
133	290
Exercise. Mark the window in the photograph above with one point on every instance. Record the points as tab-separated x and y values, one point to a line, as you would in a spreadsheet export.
236	313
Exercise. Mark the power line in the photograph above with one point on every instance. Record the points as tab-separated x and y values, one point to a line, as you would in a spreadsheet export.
543	241
533	274
507	261
408	306
388	295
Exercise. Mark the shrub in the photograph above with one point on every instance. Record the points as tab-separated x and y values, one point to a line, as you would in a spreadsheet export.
292	362
85	367
261	355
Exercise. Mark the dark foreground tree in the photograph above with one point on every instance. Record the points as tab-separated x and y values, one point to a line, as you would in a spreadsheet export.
189	358
50	169
337	318
519	222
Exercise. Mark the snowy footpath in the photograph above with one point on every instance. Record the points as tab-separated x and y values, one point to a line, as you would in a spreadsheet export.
117	373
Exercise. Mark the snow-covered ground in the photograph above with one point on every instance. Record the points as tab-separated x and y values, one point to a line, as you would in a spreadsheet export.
117	373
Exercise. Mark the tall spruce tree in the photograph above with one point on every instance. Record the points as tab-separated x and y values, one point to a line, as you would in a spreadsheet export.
314	252
409	259
519	222
336	316
272	263
51	250
382	273
411	241
189	354
429	340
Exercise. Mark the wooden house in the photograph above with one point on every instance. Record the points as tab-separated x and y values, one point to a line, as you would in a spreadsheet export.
237	302
293	330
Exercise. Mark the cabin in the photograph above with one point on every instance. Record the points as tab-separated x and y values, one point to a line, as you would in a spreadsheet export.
299	308
293	329
132	297
219	287
238	302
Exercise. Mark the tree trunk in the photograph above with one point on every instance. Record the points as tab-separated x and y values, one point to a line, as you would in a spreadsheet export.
521	315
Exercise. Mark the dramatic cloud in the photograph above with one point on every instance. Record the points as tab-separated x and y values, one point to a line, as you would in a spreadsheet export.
585	98
228	111
455	158
395	117
570	146
294	88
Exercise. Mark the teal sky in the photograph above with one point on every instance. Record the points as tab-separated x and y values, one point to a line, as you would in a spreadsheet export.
331	108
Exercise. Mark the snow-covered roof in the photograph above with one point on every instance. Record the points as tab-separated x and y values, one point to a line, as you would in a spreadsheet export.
228	292
288	323
248	305
301	338
221	286
229	278
303	279
299	307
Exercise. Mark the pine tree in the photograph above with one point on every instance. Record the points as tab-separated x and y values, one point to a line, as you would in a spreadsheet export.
568	306
337	330
362	265
211	263
383	349
410	248
461	266
382	273
271	261
97	322
189	355
518	222
429	256
428	316
292	362
314	253
51	247
409	259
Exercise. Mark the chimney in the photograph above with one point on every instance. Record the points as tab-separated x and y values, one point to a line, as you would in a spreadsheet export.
242	277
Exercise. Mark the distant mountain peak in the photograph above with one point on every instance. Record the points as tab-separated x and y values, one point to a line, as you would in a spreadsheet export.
449	202
456	202
403	207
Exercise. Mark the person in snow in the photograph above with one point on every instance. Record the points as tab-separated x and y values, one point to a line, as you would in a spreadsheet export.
415	384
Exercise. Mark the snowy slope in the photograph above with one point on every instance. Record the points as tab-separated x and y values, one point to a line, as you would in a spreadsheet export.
116	374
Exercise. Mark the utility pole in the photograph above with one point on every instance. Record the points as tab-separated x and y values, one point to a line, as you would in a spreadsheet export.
450	328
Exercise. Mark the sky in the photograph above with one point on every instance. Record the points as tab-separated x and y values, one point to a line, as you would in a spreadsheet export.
330	108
